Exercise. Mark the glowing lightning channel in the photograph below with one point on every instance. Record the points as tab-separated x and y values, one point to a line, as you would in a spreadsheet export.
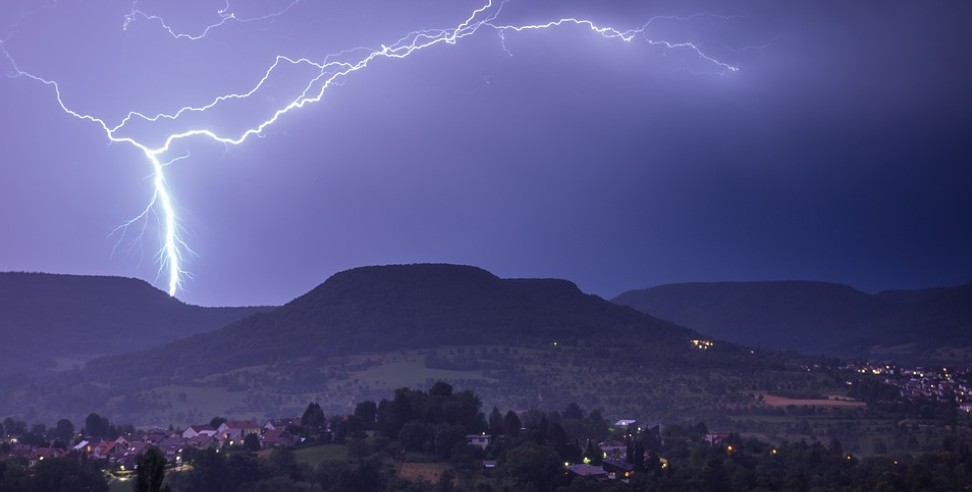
329	72
225	15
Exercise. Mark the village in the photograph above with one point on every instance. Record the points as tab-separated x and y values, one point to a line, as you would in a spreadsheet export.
939	383
119	455
117	450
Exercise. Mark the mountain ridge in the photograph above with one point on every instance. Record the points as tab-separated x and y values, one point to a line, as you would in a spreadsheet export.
817	317
45	317
390	307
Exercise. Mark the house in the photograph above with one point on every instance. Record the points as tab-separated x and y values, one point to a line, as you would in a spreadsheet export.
618	469
173	446
21	450
276	438
202	441
272	424
237	430
106	449
156	435
127	459
582	470
614	449
40	454
195	430
479	440
716	437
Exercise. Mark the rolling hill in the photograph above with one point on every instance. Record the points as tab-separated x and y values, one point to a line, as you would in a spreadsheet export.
48	320
364	332
820	318
386	308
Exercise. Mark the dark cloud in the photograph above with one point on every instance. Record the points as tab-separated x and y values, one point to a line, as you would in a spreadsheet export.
839	151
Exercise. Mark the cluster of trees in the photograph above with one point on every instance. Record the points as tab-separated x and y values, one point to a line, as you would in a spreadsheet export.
279	471
52	475
39	434
62	435
435	422
750	464
530	449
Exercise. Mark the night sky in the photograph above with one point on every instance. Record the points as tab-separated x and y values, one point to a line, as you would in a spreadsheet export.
841	150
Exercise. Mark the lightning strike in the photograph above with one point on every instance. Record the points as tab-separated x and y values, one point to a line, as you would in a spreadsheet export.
330	71
225	15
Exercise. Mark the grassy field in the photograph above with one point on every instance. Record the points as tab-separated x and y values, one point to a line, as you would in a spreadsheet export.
121	486
428	472
830	401
314	455
410	372
182	405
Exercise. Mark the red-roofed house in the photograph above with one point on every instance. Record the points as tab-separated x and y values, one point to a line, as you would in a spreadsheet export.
195	430
202	441
236	430
277	438
104	449
41	454
280	423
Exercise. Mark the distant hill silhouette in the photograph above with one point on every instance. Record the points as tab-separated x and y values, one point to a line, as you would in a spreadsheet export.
518	342
818	317
404	306
932	319
44	317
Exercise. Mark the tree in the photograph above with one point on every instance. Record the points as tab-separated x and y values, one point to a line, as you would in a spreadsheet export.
446	438
639	455
441	388
314	420
714	476
251	443
149	470
413	435
64	431
599	427
511	424
208	474
495	422
98	426
35	437
217	421
284	462
573	411
534	464
367	412
14	427
63	475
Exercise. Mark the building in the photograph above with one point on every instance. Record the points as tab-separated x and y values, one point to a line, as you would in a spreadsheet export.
479	440
196	430
237	430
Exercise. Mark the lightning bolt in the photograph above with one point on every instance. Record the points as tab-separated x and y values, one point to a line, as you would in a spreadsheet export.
225	15
332	70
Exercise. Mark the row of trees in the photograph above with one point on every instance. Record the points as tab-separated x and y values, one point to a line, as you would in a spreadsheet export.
62	433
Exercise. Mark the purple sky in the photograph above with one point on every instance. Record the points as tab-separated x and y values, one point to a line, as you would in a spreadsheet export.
841	150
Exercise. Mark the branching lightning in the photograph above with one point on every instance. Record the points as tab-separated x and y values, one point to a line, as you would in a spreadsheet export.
225	15
329	72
